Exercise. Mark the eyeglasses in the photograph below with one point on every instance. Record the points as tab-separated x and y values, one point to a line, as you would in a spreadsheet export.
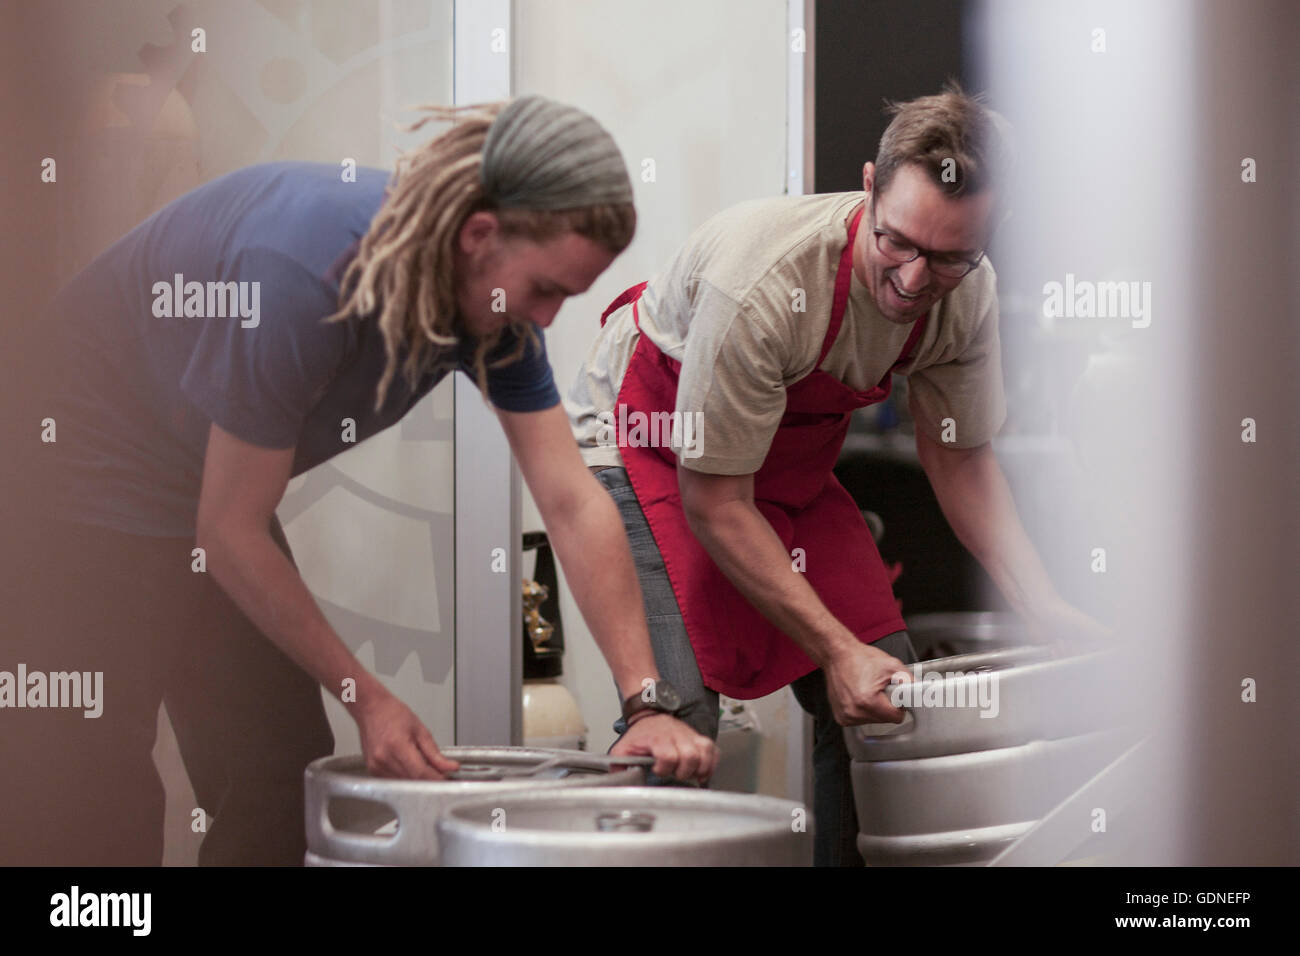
940	263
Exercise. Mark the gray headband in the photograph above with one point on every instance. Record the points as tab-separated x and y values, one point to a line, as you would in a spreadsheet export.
540	154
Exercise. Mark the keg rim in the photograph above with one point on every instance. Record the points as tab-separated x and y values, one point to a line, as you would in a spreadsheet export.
453	821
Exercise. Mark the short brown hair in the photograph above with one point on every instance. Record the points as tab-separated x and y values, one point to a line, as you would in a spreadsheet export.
950	125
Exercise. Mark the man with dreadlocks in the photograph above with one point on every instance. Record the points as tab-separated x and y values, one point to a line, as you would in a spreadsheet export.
179	427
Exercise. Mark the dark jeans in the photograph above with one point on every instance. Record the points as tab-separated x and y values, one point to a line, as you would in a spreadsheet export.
84	791
835	817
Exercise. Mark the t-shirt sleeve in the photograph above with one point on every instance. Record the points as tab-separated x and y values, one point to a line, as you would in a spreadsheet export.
524	385
732	383
968	390
260	382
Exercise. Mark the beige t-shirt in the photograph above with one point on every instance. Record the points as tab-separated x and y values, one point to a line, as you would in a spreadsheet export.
727	307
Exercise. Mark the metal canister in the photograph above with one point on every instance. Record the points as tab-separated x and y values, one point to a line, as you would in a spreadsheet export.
627	826
950	633
992	741
356	819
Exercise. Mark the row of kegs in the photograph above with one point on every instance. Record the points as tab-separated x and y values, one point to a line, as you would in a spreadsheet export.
519	806
999	734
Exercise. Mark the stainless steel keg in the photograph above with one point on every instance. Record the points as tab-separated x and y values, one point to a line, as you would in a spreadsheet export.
992	741
626	826
356	819
950	633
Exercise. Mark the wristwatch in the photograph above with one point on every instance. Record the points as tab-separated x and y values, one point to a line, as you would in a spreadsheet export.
655	695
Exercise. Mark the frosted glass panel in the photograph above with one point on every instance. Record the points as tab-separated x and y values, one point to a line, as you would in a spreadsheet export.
318	80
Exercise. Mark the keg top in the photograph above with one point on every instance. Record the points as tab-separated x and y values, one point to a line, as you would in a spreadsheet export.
635	812
495	765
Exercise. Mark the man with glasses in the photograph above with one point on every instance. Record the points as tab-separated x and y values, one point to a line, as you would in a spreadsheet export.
775	320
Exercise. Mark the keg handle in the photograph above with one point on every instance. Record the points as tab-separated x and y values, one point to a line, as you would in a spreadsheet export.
624	760
970	665
483	772
915	717
366	843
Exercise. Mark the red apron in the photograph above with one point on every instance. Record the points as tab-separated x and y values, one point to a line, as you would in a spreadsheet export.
739	652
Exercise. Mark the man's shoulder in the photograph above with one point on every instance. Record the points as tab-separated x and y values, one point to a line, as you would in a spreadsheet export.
294	175
761	220
304	210
739	247
309	213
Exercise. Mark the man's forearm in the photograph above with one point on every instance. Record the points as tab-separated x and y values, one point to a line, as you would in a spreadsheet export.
592	548
748	551
977	502
269	590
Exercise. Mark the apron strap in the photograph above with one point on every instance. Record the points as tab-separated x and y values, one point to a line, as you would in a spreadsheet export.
630	295
843	282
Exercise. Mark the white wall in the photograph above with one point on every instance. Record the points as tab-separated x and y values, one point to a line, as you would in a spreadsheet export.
700	88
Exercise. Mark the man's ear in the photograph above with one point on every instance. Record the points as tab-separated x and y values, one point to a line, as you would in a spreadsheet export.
868	177
476	231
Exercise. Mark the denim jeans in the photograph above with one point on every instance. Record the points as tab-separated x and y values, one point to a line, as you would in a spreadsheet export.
835	817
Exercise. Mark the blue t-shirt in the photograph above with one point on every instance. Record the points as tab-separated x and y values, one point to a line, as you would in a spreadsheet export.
141	380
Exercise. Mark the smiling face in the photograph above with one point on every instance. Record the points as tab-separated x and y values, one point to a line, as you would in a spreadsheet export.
534	277
914	210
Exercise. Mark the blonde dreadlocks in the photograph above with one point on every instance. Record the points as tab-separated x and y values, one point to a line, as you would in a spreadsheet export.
542	168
